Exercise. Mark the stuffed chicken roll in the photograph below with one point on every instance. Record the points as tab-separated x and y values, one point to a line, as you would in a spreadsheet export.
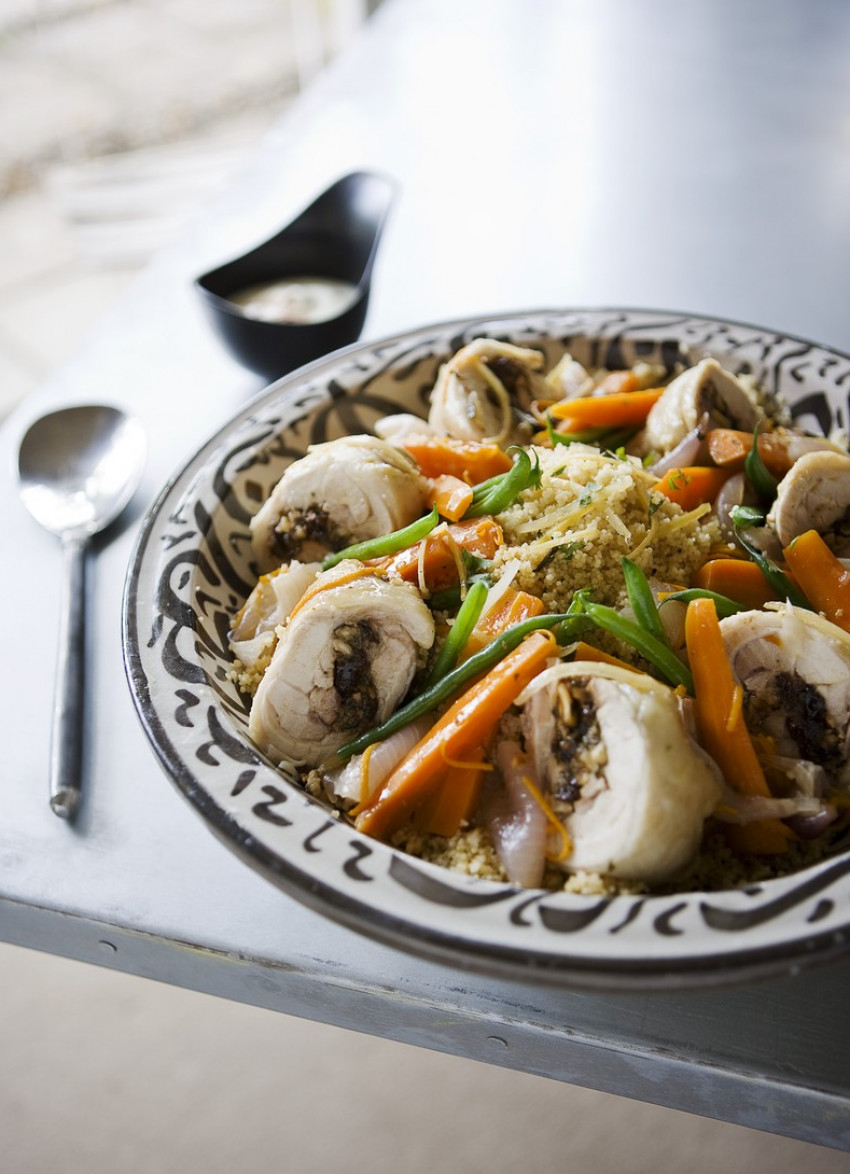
478	389
704	393
341	492
342	664
794	667
609	750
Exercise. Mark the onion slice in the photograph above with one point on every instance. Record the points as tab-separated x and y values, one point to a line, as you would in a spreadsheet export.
358	780
686	451
515	820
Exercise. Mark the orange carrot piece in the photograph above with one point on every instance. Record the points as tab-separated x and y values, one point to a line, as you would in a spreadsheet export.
588	652
737	579
469	723
512	608
730	448
481	536
453	801
622	409
619	381
720	721
344	575
692	485
763	837
822	578
469	460
451	496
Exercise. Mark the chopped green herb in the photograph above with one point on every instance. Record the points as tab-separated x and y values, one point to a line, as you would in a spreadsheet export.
746	516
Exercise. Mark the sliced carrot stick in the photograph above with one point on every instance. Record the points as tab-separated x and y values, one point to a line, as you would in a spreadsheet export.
763	837
470	461
692	485
730	448
344	574
737	579
470	722
513	607
621	409
720	722
451	496
453	801
481	536
823	579
584	651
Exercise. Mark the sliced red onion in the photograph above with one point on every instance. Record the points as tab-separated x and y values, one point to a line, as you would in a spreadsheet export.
672	614
730	495
687	451
347	782
538	725
809	827
738	808
798	444
515	820
803	777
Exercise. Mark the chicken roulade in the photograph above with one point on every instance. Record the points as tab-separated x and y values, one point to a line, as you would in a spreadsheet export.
702	393
341	492
815	495
794	667
253	635
609	749
477	390
342	664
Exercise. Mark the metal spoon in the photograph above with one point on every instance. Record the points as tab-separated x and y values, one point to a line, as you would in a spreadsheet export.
77	468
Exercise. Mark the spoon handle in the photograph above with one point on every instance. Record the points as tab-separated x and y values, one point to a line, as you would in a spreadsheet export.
66	748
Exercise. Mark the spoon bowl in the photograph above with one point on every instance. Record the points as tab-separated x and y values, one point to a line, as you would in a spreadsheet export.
78	468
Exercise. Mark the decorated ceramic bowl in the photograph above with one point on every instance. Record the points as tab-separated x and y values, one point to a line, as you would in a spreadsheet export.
191	571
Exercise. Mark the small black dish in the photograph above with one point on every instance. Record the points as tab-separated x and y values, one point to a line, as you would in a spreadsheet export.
335	237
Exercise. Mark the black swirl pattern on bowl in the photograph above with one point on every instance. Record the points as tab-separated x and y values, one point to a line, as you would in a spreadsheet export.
192	571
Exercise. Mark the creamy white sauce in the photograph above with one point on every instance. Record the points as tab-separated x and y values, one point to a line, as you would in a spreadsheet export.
298	300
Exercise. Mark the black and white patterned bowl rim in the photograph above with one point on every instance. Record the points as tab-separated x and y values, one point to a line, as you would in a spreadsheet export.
191	570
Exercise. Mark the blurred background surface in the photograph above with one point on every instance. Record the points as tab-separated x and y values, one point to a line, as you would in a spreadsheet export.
120	118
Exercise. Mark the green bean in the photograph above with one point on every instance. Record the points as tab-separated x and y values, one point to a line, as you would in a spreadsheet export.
483	487
430	698
778	580
455	642
630	632
502	491
388	544
642	601
757	473
724	605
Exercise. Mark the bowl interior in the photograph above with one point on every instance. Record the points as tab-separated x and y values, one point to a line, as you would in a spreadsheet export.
193	570
348	407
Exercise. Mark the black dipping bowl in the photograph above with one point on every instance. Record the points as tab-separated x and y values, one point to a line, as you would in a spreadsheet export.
336	237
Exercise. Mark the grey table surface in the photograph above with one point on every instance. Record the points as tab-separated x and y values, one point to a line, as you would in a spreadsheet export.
692	157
